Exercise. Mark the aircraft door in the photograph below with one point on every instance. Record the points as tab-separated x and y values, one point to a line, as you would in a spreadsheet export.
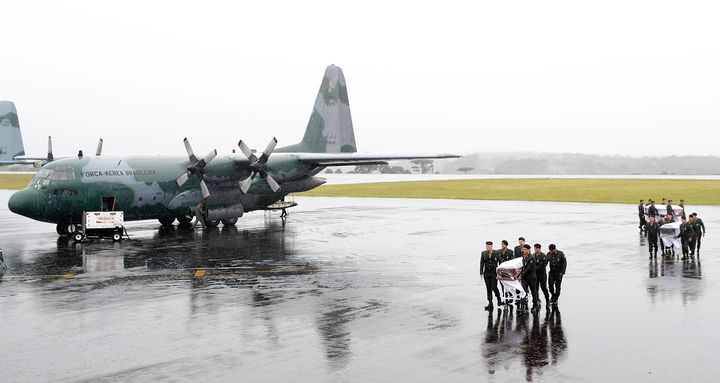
107	204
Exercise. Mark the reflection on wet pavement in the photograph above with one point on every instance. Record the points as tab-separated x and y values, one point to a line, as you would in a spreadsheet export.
352	290
539	337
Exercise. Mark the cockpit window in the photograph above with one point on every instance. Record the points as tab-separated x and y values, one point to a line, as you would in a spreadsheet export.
62	173
44	173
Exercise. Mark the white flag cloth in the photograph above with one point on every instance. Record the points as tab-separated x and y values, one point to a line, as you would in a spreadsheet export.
669	234
507	273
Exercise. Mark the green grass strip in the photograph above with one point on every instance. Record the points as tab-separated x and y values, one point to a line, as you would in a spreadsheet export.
695	192
14	181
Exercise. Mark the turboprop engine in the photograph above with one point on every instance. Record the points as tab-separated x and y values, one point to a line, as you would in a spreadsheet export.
231	212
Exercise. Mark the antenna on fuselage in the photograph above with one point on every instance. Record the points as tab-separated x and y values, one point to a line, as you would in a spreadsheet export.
98	151
80	154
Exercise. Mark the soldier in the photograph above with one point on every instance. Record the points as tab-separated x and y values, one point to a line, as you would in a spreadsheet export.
518	249
669	208
558	264
652	229
668	219
505	253
699	232
664	201
685	231
652	210
528	278
641	215
682	206
489	261
541	271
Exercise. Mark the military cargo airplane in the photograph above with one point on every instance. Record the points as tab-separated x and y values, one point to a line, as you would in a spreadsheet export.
212	189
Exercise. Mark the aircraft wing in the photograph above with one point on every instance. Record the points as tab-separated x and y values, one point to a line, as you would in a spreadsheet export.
352	159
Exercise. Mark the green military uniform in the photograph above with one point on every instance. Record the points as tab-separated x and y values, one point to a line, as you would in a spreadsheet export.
506	255
517	252
488	265
685	234
558	264
698	228
653	231
541	271
653	212
641	215
529	277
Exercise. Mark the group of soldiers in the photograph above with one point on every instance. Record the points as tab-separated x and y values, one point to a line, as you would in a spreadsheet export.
534	274
691	230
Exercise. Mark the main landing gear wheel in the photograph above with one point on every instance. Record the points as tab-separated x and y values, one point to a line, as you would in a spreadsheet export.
166	221
65	229
212	222
77	237
184	220
229	221
116	237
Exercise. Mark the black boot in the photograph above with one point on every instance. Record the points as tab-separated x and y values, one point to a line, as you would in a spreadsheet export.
500	303
489	307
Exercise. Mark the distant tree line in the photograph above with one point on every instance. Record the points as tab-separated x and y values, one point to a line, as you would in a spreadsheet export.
552	163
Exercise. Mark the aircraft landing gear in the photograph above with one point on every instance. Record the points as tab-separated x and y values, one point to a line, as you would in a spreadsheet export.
65	229
184	220
229	221
212	222
166	221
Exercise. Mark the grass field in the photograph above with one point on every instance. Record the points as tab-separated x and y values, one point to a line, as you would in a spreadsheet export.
14	181
695	192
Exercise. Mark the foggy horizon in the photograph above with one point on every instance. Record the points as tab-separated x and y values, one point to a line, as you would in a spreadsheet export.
619	78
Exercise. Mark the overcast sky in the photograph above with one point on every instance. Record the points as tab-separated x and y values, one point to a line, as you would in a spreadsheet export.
605	77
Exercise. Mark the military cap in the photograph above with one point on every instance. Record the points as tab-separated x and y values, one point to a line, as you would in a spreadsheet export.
552	246
488	243
521	239
526	246
504	242
537	246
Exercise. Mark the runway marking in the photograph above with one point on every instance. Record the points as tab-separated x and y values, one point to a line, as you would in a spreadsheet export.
448	266
199	273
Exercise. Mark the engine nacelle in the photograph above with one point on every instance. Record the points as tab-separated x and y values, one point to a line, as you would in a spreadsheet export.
234	211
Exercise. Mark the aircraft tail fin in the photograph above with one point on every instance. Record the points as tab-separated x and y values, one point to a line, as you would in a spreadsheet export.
330	128
11	144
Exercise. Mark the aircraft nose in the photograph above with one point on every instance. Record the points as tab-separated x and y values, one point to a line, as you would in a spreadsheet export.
19	202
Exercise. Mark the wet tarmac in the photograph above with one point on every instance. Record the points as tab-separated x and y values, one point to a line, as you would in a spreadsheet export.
354	290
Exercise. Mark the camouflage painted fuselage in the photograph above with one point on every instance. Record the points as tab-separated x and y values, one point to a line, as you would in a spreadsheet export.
146	188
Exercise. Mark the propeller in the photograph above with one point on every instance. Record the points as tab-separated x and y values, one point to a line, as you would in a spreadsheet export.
98	151
197	168
258	166
50	157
